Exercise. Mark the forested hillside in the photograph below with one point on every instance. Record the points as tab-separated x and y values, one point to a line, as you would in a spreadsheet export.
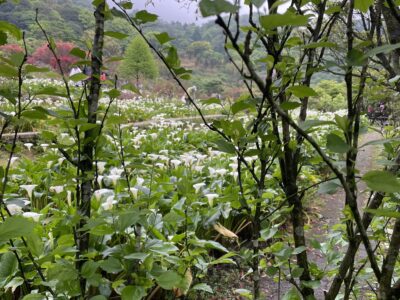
141	159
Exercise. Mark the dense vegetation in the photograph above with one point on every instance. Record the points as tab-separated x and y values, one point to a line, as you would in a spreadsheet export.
98	206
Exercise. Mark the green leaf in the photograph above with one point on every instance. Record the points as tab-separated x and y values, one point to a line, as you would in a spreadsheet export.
144	16
138	256
268	233
296	272
244	293
363	5
34	69
78	77
210	101
15	226
35	244
164	248
127	5
308	124
290	105
256	3
299	250
113	93
163	37
34	114
301	91
385	49
287	19
34	297
8	265
356	57
215	7
111	265
313	284
342	122
202	287
11	28
116	35
242	105
14	283
209	245
384	213
169	279
51	91
17	58
292	294
225	146
336	144
173	58
131	292
333	9
382	181
8	71
78	53
89	268
329	187
3	38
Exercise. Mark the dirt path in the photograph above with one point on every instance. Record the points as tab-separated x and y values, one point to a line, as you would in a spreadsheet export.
330	206
328	209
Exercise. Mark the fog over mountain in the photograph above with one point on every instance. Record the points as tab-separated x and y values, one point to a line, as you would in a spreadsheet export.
184	11
172	10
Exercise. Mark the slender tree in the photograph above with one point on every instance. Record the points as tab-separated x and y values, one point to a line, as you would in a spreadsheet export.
138	61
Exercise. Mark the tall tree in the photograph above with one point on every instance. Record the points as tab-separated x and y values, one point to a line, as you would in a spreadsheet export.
138	61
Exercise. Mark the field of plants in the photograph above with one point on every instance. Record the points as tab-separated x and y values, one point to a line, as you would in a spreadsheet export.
115	186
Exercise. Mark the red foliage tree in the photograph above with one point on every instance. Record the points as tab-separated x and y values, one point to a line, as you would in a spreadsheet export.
43	56
9	49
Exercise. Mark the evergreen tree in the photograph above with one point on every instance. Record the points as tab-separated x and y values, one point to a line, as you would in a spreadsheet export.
138	61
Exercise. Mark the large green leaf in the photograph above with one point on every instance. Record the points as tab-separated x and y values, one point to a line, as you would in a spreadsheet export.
34	297
35	244
288	105
216	7
78	53
292	294
116	35
8	71
329	187
11	29
144	16
14	227
169	279
382	49
382	181
202	287
111	265
384	213
242	105
302	91
133	292
8	265
363	5
287	19
225	146
336	144
163	37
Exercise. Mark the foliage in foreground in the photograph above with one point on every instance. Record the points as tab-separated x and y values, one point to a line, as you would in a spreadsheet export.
108	211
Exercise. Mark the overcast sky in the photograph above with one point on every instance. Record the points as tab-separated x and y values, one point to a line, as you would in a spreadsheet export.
171	10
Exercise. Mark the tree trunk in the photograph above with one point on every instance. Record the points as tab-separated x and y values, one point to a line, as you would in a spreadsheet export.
86	165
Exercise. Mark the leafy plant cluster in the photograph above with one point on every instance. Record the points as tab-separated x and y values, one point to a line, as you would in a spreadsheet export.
109	211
